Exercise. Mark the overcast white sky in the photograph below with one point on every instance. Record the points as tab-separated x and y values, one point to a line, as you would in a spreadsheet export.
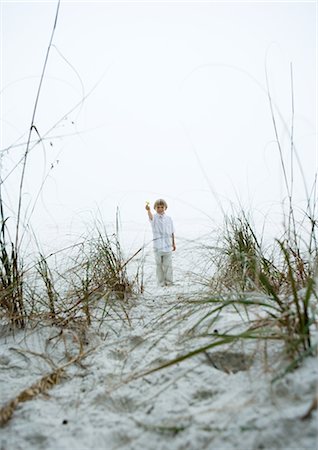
177	108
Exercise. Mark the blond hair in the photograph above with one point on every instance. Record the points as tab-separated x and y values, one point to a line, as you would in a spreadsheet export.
160	202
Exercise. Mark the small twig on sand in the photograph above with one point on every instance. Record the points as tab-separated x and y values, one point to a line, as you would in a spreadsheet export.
40	387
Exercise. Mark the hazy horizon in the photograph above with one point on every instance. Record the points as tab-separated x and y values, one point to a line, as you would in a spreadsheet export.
172	102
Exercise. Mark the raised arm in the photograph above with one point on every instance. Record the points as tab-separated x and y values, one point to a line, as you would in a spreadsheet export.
150	215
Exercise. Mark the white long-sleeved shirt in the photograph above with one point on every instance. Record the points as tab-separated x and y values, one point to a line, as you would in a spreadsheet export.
162	229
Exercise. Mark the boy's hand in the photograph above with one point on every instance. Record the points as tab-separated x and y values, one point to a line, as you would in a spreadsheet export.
150	215
174	248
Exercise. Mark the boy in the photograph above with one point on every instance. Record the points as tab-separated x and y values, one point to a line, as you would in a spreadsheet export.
163	241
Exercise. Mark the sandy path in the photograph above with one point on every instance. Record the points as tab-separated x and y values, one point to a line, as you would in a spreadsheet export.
107	404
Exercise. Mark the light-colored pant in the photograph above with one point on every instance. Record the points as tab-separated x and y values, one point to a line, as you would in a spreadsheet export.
164	267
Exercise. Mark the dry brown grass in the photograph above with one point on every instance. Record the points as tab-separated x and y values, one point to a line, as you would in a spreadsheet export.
42	386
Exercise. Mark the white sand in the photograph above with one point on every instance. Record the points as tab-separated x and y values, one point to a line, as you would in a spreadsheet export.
106	403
